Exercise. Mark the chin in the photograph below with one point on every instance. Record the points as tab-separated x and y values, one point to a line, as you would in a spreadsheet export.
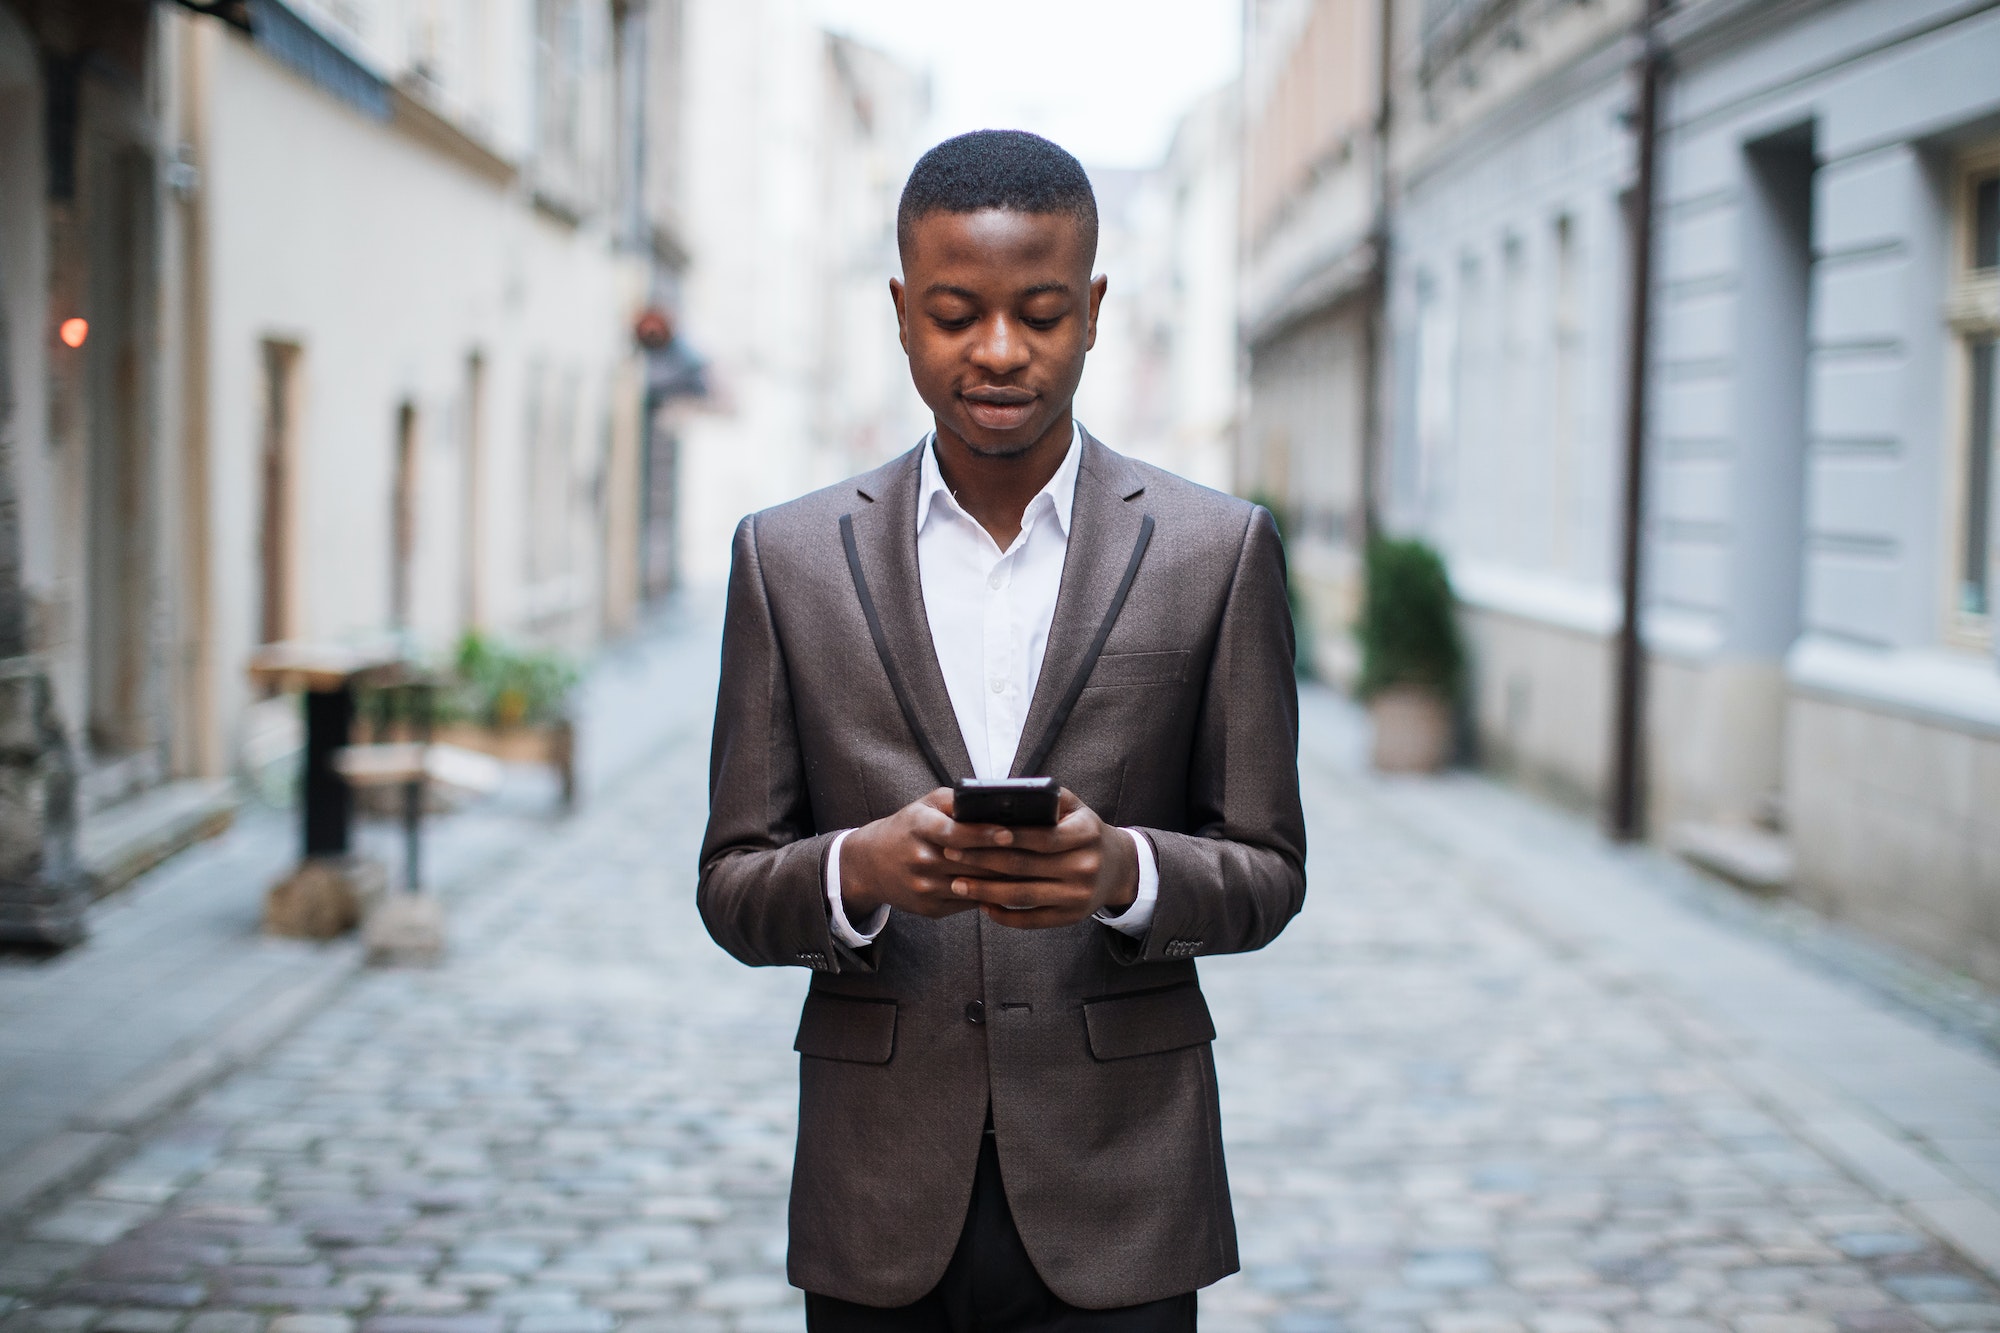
1000	448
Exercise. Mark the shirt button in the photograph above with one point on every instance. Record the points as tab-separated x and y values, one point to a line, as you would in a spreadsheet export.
997	684
975	1012
995	581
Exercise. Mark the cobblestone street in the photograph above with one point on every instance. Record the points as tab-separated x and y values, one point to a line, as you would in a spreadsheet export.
1442	1117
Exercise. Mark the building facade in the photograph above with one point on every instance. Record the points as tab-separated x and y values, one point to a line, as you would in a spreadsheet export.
1823	556
319	324
1312	255
1508	290
1163	381
1816	551
797	143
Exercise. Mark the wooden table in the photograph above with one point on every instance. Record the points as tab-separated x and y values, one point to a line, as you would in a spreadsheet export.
325	675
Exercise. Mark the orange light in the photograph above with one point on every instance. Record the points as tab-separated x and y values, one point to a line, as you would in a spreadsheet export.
74	331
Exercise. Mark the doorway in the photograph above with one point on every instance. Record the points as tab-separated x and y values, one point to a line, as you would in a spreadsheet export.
277	545
118	555
403	521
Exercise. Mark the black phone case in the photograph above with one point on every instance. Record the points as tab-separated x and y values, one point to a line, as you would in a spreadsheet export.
1017	807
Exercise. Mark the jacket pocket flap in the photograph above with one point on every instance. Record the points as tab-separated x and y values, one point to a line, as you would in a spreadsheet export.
1147	1022
846	1027
1139	669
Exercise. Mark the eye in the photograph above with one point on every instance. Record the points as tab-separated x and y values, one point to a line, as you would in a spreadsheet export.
952	323
1041	323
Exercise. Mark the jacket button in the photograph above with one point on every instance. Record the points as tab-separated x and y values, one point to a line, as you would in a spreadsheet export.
975	1011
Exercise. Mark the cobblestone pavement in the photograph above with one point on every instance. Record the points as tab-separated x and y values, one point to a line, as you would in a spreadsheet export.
1440	1120
176	956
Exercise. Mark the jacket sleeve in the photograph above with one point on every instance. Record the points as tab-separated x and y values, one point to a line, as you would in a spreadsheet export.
1233	883
763	863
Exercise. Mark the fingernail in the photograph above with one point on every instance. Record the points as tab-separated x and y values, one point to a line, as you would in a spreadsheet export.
960	887
951	854
1004	836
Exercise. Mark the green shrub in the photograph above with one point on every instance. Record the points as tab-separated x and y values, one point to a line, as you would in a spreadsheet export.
500	686
1408	631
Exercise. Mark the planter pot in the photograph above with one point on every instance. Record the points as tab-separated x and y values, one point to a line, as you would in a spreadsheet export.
550	743
1412	729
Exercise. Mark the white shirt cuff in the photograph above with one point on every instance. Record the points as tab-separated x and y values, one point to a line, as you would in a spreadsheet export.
1135	919
843	929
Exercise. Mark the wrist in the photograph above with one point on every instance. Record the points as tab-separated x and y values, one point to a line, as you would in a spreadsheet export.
1125	891
856	896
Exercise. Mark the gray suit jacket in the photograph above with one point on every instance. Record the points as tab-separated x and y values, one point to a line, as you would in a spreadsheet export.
1166	702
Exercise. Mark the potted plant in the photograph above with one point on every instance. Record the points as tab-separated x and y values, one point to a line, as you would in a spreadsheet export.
510	703
1412	661
514	705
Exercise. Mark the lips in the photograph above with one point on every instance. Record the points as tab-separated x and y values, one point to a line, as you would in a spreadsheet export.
998	408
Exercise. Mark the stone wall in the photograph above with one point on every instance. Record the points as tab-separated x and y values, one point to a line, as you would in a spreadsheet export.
42	890
1896	825
1540	699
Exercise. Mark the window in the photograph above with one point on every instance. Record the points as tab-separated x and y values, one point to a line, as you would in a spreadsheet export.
1975	315
559	93
1566	335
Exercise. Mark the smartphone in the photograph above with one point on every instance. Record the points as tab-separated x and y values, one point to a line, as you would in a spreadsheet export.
1017	802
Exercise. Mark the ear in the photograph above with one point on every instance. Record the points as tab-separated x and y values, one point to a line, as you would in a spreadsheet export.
896	294
1098	286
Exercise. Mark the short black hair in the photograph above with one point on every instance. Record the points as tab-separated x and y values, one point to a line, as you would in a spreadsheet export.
1010	169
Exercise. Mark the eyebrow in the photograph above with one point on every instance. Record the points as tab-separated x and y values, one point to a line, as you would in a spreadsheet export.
946	289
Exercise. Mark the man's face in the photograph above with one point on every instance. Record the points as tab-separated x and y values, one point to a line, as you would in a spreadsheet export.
997	309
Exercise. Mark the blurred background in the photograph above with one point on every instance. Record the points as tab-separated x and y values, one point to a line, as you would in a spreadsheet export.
342	320
381	380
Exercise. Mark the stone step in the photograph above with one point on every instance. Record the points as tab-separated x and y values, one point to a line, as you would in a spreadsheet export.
1751	857
120	842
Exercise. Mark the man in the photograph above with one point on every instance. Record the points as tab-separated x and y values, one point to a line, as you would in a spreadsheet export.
1007	1114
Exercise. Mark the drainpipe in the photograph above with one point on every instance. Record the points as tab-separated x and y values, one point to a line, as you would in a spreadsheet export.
1627	813
1376	311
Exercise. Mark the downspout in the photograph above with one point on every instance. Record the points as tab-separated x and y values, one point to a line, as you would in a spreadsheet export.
199	740
1377	307
1627	813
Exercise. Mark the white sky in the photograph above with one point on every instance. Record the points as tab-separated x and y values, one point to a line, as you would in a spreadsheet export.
1106	79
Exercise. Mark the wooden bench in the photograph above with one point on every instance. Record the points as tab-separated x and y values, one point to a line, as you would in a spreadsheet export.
414	766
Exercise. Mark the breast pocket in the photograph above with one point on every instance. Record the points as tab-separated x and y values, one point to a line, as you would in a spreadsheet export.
1120	669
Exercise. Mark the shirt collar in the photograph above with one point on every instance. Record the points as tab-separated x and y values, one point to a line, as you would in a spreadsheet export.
1061	488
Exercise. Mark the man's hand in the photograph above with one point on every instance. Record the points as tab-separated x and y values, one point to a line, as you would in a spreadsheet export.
1033	878
900	861
922	860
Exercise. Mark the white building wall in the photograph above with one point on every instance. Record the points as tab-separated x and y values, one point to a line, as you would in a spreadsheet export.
390	264
772	270
1163	381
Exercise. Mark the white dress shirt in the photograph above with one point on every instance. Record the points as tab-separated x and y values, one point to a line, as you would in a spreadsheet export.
989	612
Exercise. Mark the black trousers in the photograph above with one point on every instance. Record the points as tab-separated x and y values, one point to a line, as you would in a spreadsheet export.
990	1286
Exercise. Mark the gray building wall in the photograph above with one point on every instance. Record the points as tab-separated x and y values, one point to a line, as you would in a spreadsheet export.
1808	446
1507	304
1810	680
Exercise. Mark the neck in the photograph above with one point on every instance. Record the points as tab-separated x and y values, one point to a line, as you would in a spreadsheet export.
996	489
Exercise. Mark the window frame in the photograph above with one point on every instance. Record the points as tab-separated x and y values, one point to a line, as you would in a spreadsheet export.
1972	311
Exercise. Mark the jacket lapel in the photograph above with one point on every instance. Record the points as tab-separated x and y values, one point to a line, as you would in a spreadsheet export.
881	538
1107	538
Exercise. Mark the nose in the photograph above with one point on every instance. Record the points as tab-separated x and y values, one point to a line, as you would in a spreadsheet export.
1000	348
